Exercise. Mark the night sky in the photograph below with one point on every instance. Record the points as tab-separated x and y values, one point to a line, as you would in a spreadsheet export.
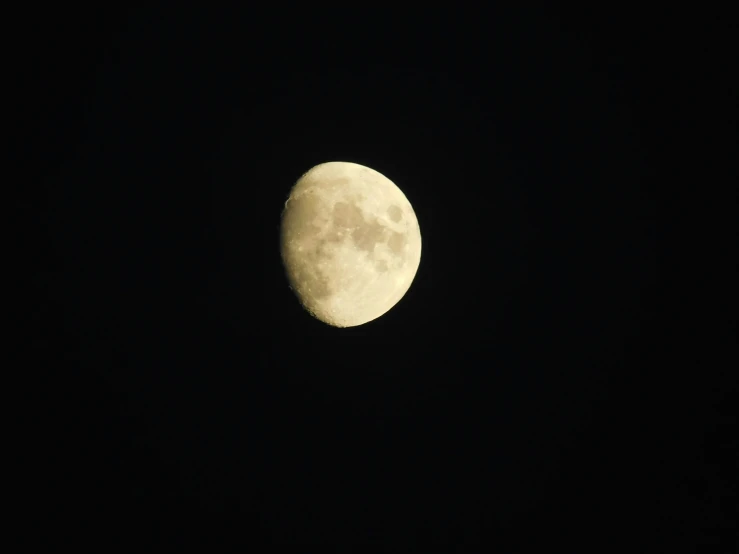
521	397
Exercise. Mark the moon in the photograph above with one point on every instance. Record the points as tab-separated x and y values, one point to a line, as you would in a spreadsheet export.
350	243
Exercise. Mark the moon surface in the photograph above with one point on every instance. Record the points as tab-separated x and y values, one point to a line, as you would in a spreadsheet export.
350	243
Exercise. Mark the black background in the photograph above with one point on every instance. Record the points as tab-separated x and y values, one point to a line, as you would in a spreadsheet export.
523	394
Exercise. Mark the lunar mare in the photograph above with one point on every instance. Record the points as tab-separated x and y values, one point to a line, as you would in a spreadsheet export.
350	243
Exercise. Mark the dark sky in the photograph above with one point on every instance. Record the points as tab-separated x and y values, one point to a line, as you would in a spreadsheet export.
519	396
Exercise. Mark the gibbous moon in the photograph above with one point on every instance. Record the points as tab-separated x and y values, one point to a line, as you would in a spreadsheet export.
350	243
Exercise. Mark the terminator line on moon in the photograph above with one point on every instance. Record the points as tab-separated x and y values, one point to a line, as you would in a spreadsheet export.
350	243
